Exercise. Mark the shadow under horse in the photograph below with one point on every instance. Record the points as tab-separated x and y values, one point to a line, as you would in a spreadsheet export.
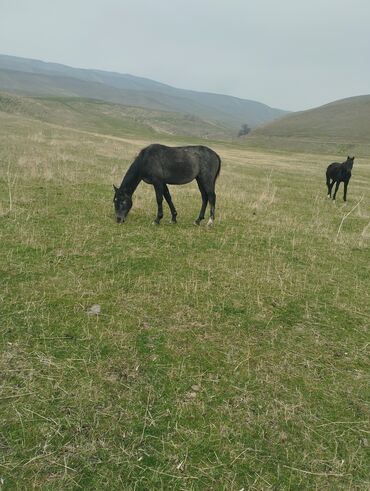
337	173
160	165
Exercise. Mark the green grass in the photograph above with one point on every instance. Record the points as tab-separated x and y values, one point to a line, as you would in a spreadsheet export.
225	358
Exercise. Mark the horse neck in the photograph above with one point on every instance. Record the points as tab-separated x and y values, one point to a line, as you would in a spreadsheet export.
131	180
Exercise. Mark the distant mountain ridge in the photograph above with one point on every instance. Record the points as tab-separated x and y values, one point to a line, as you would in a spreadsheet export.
37	78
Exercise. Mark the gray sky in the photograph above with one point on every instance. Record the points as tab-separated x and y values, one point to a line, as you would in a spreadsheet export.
291	54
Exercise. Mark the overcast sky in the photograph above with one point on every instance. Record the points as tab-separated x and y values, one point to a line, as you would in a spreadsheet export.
290	54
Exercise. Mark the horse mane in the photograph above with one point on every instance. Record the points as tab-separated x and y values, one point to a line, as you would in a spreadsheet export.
133	177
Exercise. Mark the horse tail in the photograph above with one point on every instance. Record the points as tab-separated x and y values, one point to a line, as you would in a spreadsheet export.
219	166
328	174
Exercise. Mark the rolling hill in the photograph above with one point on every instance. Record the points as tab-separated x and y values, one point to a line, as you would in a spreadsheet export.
343	124
33	77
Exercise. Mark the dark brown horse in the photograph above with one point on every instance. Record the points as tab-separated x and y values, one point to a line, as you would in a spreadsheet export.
160	165
337	173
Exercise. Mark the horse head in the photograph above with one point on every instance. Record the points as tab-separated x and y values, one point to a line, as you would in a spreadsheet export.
349	162
122	204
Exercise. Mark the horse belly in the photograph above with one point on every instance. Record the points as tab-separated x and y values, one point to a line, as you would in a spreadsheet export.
180	172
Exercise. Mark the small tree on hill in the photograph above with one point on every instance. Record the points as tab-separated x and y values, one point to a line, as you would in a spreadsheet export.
244	130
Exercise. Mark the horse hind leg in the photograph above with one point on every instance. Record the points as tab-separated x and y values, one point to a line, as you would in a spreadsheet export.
207	184
336	189
212	202
204	202
328	185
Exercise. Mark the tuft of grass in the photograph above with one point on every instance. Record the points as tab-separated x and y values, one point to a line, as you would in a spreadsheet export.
224	358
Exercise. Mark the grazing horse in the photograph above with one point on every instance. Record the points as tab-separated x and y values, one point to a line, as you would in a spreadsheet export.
339	173
160	165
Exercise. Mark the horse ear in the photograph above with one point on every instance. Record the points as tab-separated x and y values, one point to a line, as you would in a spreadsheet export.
115	189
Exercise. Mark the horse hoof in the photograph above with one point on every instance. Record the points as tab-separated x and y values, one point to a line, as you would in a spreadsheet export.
210	222
155	223
197	222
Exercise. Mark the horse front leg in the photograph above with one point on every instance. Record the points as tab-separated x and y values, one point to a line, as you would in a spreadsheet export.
159	196
345	191
168	198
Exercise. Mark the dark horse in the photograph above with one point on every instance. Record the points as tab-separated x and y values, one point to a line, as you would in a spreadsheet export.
339	173
160	165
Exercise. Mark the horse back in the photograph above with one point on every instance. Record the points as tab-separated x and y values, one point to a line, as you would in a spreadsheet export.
178	165
333	166
338	172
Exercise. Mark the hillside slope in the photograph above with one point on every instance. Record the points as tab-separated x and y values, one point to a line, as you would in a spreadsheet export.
108	118
341	127
33	77
347	119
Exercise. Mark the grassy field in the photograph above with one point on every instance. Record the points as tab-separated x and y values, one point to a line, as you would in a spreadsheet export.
225	358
